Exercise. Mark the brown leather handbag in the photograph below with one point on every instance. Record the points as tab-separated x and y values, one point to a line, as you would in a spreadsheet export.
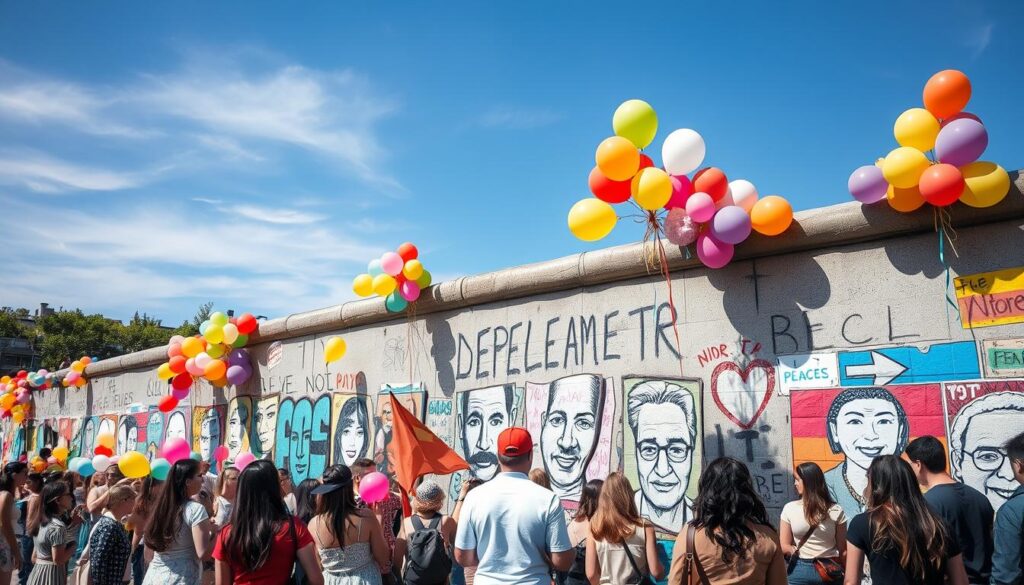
693	559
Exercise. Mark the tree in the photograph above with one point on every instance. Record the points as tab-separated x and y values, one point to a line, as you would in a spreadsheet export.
142	333
190	328
72	334
10	325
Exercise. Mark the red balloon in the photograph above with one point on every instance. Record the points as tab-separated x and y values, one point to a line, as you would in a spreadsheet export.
408	252
941	185
246	324
177	364
960	116
101	450
711	181
182	381
220	453
608	190
167	404
22	373
645	162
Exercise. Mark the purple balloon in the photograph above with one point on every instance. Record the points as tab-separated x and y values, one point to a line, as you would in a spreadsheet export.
730	225
238	375
867	184
238	357
961	142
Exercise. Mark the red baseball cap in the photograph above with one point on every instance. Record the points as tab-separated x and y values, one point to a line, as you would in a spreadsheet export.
514	441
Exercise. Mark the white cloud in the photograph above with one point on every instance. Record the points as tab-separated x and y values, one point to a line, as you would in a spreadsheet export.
43	174
279	215
979	38
517	118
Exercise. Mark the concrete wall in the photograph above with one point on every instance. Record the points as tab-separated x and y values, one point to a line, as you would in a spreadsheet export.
844	280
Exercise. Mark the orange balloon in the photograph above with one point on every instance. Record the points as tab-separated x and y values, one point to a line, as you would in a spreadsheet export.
904	200
215	370
617	158
947	93
771	215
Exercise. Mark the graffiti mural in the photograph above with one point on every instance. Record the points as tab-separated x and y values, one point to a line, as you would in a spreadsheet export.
207	432
65	431
742	393
239	426
302	436
154	434
413	398
663	446
572	419
844	430
980	418
481	415
264	426
177	424
350	428
45	435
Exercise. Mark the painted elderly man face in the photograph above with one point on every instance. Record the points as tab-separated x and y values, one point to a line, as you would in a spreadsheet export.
485	415
984	464
663	453
866	428
209	434
570	427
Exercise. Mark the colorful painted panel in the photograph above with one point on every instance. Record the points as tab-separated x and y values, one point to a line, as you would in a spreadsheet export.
663	446
207	432
131	432
350	428
302	436
413	398
980	418
481	415
843	430
239	426
264	426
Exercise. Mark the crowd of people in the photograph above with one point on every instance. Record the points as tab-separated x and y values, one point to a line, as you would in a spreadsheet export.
253	526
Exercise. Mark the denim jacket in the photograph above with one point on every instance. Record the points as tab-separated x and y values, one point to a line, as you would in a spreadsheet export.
1008	560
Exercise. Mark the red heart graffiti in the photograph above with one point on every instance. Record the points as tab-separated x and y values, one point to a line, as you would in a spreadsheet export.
744	373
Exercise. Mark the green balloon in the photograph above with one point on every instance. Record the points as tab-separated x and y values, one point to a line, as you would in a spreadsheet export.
424	280
636	121
159	469
240	341
395	303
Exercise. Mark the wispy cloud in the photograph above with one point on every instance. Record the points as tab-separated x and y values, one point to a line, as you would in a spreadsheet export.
278	215
979	38
517	118
44	174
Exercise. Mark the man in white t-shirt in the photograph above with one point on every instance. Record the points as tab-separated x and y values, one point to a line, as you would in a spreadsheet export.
511	529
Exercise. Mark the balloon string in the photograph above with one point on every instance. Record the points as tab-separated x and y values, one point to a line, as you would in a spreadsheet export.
654	231
942	221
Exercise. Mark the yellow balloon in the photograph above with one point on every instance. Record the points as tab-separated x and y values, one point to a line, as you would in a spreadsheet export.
164	371
133	465
904	166
651	188
5	379
904	200
334	349
384	284
916	128
61	453
617	158
214	334
986	184
191	347
78	366
362	285
413	269
18	417
635	121
7	401
106	440
591	219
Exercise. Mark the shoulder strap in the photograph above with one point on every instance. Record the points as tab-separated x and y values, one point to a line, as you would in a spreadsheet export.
417	524
632	561
435	521
806	536
691	557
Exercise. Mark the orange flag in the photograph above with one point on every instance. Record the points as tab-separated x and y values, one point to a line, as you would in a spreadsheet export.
415	450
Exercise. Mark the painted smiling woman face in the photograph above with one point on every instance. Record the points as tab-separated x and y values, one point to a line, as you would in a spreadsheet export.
866	428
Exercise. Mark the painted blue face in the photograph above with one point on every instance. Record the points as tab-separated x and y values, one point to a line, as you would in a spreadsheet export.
155	427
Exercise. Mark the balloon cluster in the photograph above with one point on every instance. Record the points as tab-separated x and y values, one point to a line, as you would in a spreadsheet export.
48	459
937	158
216	354
397	276
705	208
16	392
76	377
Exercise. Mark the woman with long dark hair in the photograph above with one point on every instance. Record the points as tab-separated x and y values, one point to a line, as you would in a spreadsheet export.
812	529
352	435
178	532
12	478
622	547
305	501
905	542
579	530
733	541
262	542
54	542
349	539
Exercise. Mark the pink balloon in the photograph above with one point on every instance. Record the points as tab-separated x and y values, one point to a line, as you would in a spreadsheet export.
243	460
193	368
700	207
201	360
180	395
72	377
220	453
373	487
409	290
391	263
712	253
175	449
682	188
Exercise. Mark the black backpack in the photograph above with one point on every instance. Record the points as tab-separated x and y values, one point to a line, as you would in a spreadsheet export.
428	561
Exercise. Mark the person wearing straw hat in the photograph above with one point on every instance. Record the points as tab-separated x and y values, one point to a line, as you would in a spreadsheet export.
426	504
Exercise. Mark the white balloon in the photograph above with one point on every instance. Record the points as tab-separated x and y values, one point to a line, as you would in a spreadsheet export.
743	193
682	151
101	462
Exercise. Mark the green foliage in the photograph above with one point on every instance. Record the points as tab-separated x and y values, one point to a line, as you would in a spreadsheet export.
71	334
10	326
142	333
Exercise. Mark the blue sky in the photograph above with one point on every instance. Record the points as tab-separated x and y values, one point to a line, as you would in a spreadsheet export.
257	154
